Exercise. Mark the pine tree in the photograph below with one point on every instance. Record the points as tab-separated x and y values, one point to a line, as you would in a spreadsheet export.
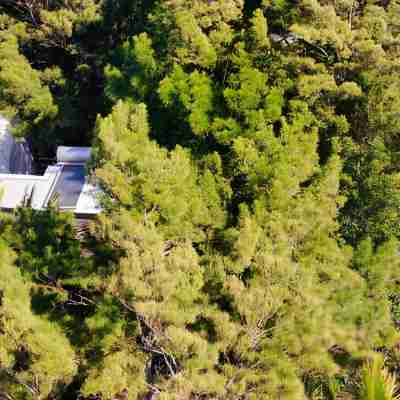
36	358
22	94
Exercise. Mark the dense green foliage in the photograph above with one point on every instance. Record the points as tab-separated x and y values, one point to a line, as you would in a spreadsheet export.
249	244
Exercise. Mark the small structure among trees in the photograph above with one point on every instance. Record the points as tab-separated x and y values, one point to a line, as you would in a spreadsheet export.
67	183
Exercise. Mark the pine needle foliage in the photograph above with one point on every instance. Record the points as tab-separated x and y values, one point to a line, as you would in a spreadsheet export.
248	247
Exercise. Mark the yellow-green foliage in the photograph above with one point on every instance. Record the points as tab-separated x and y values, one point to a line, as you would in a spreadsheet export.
377	382
248	246
21	89
121	369
41	347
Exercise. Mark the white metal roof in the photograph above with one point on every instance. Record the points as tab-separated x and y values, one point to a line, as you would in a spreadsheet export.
89	200
15	188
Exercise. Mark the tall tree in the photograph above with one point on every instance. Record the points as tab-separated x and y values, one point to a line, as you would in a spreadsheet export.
31	347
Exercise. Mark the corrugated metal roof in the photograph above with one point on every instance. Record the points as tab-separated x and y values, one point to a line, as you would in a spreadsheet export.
16	188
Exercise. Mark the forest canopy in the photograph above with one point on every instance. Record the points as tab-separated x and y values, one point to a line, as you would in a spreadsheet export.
248	248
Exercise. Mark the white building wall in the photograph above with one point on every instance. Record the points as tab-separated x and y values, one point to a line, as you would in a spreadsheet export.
15	156
7	144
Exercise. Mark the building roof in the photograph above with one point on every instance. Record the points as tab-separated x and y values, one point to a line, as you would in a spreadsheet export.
16	188
67	180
